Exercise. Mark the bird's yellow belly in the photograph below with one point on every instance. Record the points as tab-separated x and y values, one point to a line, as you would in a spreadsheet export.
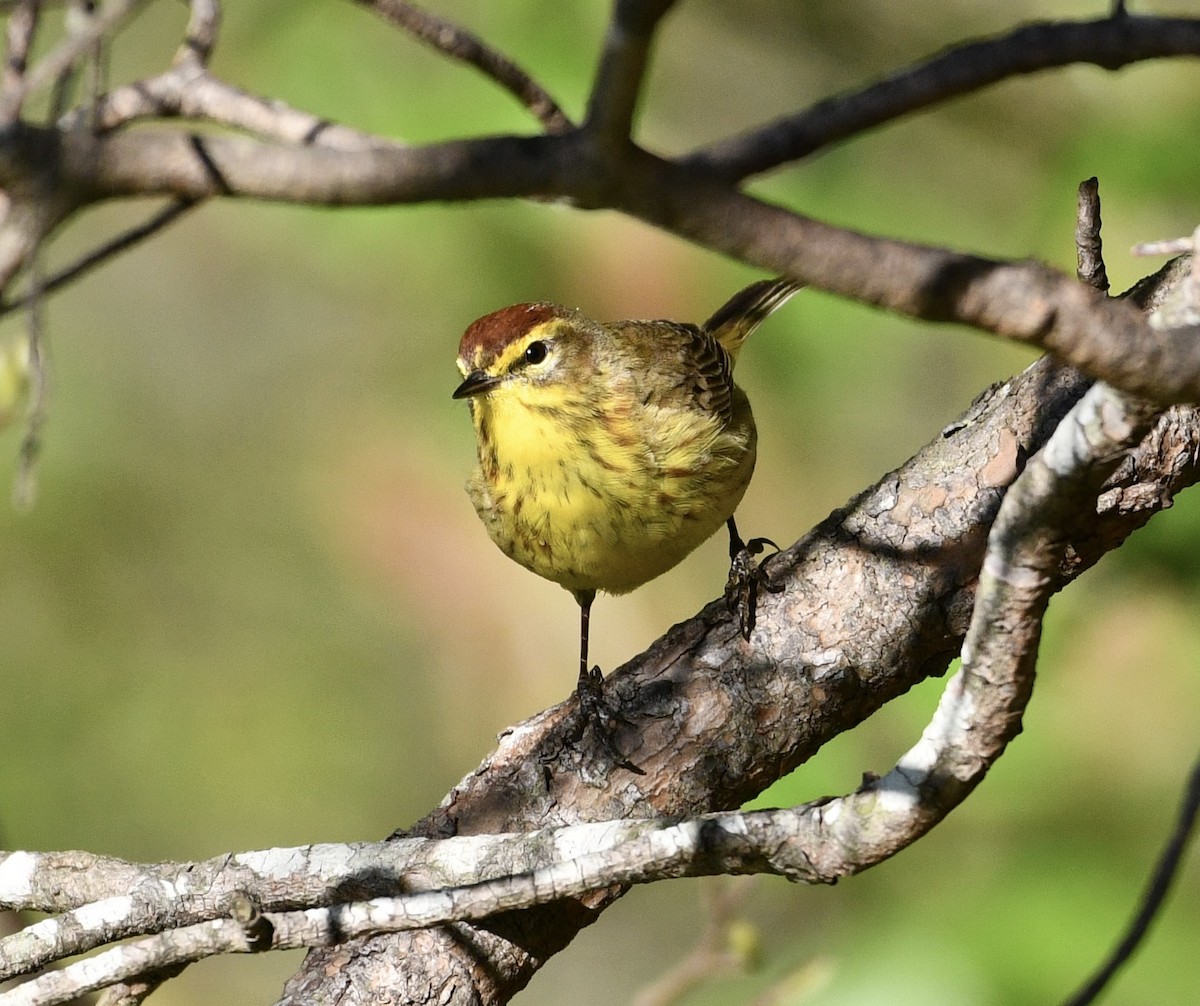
603	511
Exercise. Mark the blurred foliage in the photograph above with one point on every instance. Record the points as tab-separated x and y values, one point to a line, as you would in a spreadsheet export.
254	607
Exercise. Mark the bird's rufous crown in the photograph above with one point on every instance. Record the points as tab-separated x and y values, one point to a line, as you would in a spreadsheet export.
486	337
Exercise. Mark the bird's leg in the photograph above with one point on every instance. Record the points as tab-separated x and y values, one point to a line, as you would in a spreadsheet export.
594	709
591	699
590	681
745	577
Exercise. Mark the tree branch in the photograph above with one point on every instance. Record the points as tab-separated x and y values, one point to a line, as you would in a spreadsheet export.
98	256
22	26
815	669
816	843
623	63
1088	246
200	37
1024	301
710	719
1154	897
458	43
908	545
65	55
1110	43
190	92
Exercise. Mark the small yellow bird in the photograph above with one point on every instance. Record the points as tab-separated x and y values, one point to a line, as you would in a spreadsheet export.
609	451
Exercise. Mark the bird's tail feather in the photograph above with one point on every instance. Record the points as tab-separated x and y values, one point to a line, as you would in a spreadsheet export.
747	309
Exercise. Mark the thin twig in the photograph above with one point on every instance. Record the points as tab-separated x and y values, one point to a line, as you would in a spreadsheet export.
1089	249
623	68
1181	305
201	36
60	59
98	256
712	953
97	79
191	92
138	990
80	16
1109	43
1154	896
458	43
1172	246
22	26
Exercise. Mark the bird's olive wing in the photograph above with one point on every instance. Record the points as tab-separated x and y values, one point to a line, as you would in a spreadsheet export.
678	366
692	370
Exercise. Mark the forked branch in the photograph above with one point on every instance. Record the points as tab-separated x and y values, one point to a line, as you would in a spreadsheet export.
814	843
710	720
296	157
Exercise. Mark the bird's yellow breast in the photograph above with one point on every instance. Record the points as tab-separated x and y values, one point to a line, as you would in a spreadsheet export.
606	493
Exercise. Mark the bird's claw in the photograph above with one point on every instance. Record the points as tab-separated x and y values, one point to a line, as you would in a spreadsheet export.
745	577
603	717
590	691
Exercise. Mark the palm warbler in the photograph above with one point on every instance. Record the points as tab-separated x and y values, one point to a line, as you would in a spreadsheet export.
609	451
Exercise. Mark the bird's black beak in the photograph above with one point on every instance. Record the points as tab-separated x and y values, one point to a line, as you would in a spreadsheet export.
476	383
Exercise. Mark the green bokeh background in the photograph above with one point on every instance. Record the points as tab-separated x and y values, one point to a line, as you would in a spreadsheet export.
253	606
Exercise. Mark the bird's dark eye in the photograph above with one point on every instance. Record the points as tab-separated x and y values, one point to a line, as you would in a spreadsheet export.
535	352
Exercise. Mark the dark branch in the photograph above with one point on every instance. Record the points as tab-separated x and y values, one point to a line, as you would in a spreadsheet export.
1023	301
458	43
622	68
99	256
1154	897
1110	43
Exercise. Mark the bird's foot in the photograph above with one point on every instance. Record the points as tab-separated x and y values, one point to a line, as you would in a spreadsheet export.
746	575
602	717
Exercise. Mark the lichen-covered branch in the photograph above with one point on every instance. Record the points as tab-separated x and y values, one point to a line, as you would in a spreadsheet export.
877	598
809	843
